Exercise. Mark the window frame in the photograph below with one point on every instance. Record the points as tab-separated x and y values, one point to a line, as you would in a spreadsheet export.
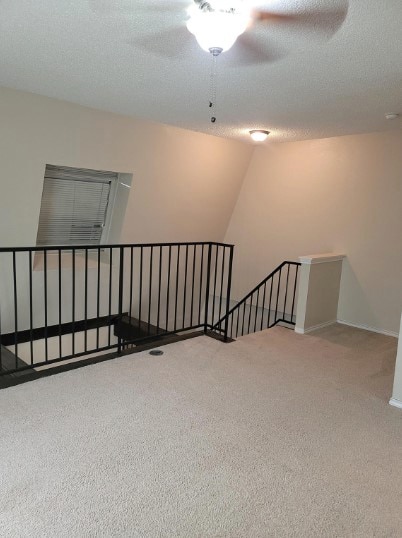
114	181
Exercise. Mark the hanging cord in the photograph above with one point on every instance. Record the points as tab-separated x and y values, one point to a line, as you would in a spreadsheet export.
213	84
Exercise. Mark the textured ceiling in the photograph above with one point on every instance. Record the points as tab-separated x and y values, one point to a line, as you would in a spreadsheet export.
137	58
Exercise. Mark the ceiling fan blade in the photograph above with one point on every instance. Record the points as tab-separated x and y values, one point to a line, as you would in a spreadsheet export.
171	43
129	7
162	6
249	50
324	21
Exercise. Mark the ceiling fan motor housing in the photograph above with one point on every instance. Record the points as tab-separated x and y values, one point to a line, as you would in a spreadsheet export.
204	5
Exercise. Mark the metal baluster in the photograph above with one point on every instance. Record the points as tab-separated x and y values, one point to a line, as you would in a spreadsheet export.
185	287
15	311
140	291
73	305
98	298
249	314
286	294
192	285
207	287
60	288
215	278
31	346
159	289
45	301
121	289
256	310
294	292
201	282
222	275
151	254
277	295
86	301
177	286
244	315
1	349
168	288
131	282
270	301
237	322
228	293
110	296
263	305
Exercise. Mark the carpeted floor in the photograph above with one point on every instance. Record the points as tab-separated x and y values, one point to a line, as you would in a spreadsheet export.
275	435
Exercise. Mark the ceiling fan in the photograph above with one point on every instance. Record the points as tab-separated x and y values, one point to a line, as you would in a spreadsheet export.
261	30
266	28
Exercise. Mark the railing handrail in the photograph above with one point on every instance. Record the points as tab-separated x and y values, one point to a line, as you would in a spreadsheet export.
255	289
108	246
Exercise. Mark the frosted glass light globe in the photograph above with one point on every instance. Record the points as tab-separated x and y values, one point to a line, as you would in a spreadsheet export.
217	29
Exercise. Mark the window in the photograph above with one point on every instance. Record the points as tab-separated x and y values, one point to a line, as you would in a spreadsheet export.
76	205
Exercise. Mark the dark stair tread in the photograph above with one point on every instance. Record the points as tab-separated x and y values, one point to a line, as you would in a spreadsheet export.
9	362
134	329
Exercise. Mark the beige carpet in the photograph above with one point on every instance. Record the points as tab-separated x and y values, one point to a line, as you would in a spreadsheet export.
276	435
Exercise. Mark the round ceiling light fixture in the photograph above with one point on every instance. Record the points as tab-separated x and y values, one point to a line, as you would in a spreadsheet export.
392	116
258	135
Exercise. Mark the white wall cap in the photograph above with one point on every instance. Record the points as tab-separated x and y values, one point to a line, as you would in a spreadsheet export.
321	258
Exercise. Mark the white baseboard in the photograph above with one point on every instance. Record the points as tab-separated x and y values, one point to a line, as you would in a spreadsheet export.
368	328
395	403
300	330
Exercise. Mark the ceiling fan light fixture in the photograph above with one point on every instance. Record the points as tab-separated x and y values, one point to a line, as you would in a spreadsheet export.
258	135
217	29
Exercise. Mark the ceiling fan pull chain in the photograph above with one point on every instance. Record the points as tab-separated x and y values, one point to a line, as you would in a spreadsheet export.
213	84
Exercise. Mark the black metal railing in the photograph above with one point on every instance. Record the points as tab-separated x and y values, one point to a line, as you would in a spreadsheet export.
271	302
61	303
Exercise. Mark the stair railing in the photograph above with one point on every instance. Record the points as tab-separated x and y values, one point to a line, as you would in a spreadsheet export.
271	302
59	303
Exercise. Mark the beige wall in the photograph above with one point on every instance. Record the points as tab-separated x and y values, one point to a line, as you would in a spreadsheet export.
334	195
184	187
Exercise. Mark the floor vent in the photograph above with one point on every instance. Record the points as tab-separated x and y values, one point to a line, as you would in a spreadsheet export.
156	352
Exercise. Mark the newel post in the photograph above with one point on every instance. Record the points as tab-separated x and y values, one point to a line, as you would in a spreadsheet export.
318	295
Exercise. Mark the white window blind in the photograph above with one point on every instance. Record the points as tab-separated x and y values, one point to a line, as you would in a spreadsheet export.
74	206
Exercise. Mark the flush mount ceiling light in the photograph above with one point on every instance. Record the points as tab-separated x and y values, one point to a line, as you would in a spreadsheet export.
258	135
216	25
